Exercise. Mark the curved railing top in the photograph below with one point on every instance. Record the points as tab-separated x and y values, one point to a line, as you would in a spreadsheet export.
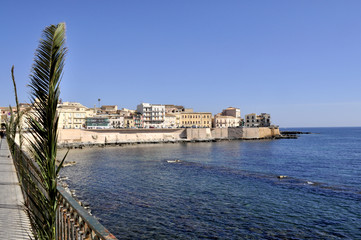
91	221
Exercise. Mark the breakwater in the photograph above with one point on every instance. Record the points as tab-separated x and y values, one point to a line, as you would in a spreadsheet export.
81	137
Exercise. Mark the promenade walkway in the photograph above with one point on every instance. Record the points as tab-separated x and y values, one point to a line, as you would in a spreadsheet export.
14	222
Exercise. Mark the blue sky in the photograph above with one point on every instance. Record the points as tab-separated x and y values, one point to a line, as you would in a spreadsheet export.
298	60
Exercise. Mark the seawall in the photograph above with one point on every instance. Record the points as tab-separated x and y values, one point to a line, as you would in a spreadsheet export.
79	137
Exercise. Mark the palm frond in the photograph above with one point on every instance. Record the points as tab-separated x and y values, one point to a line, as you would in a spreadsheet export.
44	83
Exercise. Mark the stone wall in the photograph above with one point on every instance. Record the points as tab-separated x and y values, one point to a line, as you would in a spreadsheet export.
219	133
250	133
198	133
67	136
235	133
265	132
259	133
80	136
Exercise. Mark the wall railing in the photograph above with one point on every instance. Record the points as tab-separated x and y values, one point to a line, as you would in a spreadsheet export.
73	222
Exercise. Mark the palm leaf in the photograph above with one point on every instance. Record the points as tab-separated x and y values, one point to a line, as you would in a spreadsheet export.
44	83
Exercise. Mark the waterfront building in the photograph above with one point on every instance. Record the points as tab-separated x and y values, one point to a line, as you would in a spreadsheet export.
232	111
196	119
220	121
230	117
178	122
254	120
153	115
125	112
116	121
138	120
90	112
109	109
172	109
72	115
177	116
97	123
176	110
170	121
129	122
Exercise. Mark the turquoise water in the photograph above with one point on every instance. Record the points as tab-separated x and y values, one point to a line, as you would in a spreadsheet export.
226	190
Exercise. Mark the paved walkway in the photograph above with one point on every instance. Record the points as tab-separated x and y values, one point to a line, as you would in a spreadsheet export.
14	222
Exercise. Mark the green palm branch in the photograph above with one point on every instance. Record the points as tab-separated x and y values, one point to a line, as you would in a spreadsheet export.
44	83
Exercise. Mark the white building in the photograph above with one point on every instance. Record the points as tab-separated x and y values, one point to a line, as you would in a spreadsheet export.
116	121
153	115
220	121
170	121
230	117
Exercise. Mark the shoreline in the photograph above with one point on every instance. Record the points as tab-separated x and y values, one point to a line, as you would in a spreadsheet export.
132	143
78	138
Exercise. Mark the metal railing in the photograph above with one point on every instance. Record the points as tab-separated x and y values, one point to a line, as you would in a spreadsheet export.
73	222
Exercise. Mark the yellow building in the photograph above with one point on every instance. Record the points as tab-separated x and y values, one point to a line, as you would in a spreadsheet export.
196	119
72	115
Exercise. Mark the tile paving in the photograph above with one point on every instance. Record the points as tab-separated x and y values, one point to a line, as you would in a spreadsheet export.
14	222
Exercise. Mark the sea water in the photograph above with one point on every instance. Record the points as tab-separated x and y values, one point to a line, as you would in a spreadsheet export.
227	189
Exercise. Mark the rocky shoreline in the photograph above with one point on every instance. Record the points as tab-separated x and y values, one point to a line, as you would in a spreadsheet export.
294	132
